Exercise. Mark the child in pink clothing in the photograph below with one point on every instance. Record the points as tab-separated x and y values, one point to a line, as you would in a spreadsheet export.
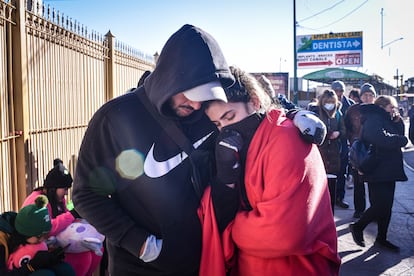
56	186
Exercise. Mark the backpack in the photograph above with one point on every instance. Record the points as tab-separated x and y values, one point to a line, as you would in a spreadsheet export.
363	157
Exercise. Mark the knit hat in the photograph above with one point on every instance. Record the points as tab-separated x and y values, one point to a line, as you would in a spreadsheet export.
367	87
338	85
33	220
59	176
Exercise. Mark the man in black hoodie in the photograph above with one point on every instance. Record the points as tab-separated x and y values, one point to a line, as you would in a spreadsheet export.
133	182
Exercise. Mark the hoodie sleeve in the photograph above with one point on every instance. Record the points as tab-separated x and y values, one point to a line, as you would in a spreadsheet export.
96	185
375	133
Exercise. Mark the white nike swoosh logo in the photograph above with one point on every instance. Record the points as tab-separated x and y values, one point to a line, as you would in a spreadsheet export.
154	168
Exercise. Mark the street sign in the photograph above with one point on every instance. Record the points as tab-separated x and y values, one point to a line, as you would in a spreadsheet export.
329	50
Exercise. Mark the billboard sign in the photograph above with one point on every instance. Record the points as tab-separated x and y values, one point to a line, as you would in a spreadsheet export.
329	50
279	81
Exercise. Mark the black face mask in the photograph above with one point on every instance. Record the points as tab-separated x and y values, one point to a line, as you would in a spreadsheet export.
246	128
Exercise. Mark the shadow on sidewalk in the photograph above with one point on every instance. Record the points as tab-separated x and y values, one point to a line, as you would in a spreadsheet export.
371	260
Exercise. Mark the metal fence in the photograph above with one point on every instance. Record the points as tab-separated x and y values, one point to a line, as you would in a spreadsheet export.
54	74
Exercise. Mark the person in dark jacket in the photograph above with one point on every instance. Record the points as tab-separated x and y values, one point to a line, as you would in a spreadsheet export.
353	129
254	144
328	110
133	182
339	88
384	128
23	250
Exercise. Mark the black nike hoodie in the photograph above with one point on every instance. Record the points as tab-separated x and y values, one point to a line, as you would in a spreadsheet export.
132	180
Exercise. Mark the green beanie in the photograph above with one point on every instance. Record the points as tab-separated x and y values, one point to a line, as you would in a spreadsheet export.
33	220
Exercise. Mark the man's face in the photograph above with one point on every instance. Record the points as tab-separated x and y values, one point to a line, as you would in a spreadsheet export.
182	106
368	98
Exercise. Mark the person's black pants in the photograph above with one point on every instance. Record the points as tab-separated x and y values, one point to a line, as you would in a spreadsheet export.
381	196
359	192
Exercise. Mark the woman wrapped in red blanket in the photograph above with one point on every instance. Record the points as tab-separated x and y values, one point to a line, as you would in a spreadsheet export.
270	195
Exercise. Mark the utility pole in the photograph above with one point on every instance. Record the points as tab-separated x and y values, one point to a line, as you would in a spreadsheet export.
382	28
295	68
396	78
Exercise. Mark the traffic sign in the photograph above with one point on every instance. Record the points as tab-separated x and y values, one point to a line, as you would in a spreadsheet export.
329	50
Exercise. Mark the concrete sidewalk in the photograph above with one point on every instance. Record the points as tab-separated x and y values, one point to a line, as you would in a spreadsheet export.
370	260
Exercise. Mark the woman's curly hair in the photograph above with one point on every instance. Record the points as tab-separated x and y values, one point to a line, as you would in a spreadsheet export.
247	87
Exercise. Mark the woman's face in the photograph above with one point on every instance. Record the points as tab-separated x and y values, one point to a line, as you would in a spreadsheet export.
390	108
223	114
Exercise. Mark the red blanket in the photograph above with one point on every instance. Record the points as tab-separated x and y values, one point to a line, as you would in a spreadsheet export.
217	251
290	230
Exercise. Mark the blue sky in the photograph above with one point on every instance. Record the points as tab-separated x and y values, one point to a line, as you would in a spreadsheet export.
257	35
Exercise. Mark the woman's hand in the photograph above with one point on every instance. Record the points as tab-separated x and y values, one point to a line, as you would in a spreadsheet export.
395	116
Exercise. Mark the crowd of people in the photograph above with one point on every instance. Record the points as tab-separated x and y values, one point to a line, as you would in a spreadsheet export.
376	122
193	173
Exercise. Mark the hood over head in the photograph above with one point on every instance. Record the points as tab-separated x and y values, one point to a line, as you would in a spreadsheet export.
191	57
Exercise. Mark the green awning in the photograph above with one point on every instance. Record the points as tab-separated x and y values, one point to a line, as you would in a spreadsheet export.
329	75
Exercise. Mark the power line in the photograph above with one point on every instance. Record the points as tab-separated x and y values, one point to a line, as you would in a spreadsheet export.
322	11
346	15
306	28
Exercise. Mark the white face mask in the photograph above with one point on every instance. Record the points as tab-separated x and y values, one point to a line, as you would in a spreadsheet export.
329	106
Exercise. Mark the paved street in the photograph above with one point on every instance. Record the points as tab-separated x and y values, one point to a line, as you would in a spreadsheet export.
370	260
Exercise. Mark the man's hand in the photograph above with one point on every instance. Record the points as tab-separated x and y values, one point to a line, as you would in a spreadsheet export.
151	249
311	127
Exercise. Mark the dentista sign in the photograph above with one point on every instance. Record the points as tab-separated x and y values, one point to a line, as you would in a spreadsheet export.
329	50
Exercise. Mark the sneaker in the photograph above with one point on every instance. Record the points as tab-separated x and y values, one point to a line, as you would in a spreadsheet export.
386	245
349	182
357	235
341	203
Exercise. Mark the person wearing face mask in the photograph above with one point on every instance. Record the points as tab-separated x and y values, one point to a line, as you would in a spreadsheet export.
329	113
276	188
